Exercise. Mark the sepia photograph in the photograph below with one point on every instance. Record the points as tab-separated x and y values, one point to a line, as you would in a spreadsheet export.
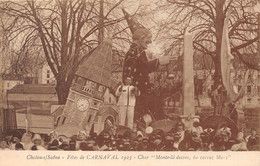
137	76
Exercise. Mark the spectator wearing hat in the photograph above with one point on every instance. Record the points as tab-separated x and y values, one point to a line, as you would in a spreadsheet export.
64	145
9	137
37	140
54	145
145	144
179	129
72	144
197	127
252	140
83	146
81	137
195	141
176	141
15	139
3	145
53	135
47	141
168	143
205	142
34	147
127	95
27	141
185	144
241	145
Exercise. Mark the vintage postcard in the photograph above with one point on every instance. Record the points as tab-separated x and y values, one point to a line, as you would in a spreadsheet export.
130	82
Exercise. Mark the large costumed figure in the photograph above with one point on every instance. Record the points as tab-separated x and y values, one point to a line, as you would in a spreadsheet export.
137	66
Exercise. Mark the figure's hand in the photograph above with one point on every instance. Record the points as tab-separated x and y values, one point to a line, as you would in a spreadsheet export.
166	59
133	90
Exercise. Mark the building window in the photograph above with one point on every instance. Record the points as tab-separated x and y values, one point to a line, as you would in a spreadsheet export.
110	101
239	87
64	119
166	103
48	73
258	89
58	121
89	118
80	81
90	84
8	85
248	89
48	81
170	102
101	88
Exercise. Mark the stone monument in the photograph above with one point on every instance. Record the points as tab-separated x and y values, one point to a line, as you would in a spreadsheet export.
188	82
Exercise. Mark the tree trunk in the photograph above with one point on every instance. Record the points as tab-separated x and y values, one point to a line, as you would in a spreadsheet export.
63	87
62	92
219	23
101	22
220	98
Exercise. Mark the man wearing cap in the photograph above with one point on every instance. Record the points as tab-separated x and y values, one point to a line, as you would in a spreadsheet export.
137	66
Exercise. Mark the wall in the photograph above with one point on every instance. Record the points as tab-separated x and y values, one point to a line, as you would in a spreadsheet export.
7	85
45	75
109	98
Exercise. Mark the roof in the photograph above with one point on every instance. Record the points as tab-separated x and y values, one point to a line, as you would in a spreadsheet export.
97	67
56	108
12	77
105	108
33	89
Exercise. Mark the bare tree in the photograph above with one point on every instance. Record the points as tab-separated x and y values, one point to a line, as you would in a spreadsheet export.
205	19
66	31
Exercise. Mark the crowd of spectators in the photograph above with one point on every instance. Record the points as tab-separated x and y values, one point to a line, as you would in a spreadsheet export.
177	139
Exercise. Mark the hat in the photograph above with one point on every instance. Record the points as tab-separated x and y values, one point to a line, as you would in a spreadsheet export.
36	137
147	119
149	130
168	137
132	22
176	135
19	146
196	120
139	133
54	134
179	124
54	144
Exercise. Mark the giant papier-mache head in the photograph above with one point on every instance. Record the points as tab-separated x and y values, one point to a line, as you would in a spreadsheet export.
140	33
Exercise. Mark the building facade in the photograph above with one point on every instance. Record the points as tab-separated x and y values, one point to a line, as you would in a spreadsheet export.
7	82
33	102
45	75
